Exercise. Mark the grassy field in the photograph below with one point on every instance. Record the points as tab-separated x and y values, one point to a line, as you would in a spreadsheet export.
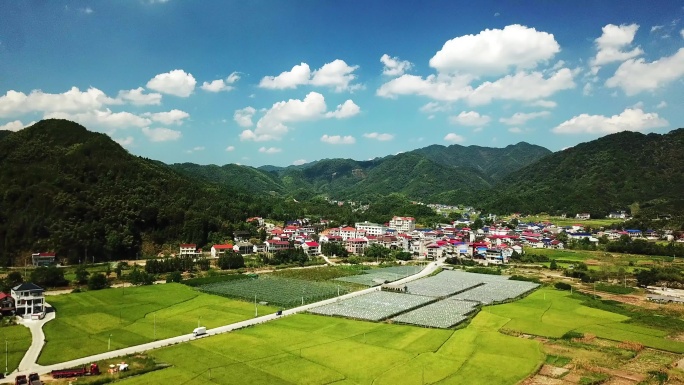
308	349
552	313
558	221
18	341
86	320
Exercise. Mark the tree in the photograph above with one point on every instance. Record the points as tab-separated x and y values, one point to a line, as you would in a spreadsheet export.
553	265
477	224
81	274
174	276
108	270
48	276
231	260
377	252
119	268
97	281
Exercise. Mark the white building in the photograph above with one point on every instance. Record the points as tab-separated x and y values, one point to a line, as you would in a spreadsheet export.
188	250
403	224
29	300
371	228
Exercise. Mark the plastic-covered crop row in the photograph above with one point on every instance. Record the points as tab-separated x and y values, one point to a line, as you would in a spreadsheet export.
374	306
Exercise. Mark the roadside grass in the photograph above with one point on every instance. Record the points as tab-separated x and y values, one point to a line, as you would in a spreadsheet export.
18	341
133	316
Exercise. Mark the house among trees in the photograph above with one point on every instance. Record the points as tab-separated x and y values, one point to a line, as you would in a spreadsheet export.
622	214
218	250
583	216
43	259
6	304
29	300
189	250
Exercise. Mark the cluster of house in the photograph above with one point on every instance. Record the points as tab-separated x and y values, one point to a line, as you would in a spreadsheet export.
26	300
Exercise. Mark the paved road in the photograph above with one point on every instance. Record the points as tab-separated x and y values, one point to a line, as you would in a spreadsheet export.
30	366
37	339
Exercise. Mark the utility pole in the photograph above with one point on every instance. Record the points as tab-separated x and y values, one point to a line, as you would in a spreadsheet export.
109	343
155	326
6	357
256	312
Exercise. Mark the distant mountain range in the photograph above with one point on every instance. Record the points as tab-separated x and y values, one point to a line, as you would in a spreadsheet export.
427	174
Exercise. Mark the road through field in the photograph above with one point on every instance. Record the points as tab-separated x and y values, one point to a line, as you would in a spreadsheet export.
29	364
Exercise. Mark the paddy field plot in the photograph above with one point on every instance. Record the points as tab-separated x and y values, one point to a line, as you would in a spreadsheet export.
18	340
132	316
277	291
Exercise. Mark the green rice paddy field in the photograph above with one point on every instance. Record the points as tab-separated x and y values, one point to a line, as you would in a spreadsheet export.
309	349
85	320
18	340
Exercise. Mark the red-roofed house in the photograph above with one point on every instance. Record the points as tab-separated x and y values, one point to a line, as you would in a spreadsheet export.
43	259
350	232
311	248
218	250
6	303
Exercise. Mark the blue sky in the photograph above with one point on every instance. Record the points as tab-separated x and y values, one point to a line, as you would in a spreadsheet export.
288	82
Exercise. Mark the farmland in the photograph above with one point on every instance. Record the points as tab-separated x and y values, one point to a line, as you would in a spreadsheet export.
284	292
133	316
376	277
18	341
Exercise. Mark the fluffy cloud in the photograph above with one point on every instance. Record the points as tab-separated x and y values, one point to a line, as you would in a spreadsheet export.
393	66
432	107
170	117
12	126
161	134
273	125
636	75
521	86
611	44
243	117
139	97
454	138
544	103
299	162
379	136
520	118
628	120
270	150
125	142
176	82
515	130
337	139
662	104
103	118
344	110
682	33
221	84
230	148
494	51
336	74
470	118
15	103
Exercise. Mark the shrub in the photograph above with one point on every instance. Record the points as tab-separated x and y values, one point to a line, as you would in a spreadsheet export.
525	279
571	335
174	276
97	282
562	286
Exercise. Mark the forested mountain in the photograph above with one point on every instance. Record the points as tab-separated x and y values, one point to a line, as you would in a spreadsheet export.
435	173
494	163
617	171
65	189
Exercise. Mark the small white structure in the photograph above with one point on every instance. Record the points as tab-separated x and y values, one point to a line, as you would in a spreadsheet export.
371	228
29	300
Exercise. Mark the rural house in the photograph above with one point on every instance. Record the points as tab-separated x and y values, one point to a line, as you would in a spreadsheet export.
6	304
43	259
29	300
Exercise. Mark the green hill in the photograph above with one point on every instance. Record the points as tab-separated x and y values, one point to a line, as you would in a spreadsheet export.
66	189
614	172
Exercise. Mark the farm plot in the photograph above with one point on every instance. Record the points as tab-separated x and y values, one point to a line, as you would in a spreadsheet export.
442	314
376	277
278	291
496	291
374	306
445	284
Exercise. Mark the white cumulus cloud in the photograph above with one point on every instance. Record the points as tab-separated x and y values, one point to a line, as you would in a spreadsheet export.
637	75
138	97
544	103
230	148
243	116
176	82
494	51
470	118
393	66
454	138
12	126
15	103
169	117
125	142
273	125
612	43
299	162
270	150
336	74
219	85
103	118
628	120
520	118
161	134
337	139
379	136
